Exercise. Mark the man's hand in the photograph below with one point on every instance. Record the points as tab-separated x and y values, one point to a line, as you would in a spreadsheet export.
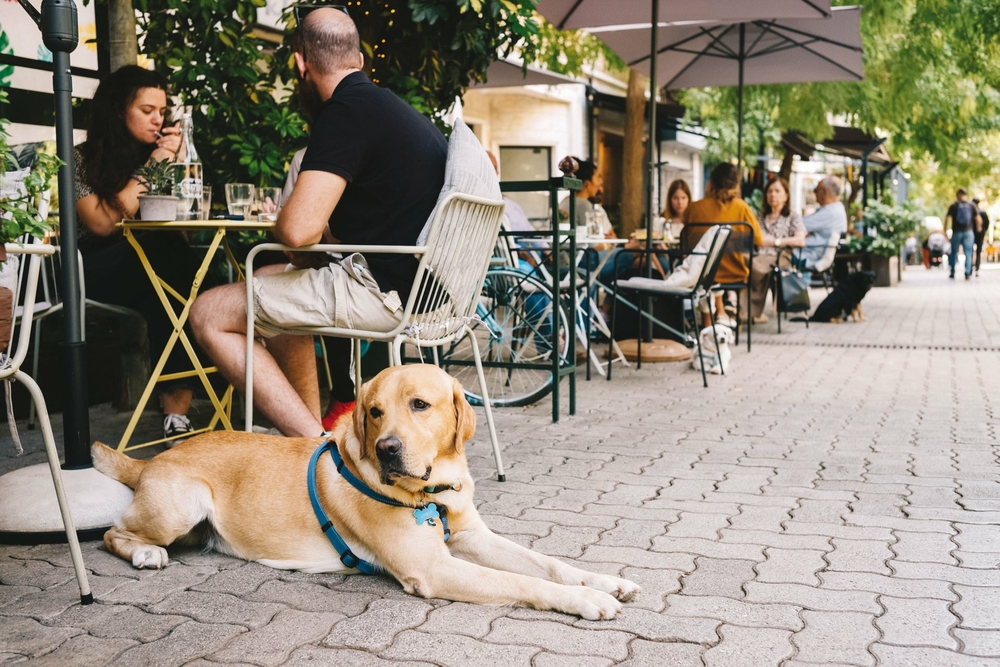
307	260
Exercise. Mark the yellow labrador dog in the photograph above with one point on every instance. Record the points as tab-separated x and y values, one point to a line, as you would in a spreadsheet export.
403	487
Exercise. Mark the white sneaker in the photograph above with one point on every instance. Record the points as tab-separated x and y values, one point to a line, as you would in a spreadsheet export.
176	428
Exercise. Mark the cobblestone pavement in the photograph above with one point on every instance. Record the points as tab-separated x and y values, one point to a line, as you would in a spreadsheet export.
833	501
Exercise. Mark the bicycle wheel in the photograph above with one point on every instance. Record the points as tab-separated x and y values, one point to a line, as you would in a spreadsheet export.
514	331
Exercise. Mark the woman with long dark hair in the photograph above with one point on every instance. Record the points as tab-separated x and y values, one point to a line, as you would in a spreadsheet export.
722	204
782	228
126	129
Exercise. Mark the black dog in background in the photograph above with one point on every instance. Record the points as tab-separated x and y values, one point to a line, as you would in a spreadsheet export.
845	299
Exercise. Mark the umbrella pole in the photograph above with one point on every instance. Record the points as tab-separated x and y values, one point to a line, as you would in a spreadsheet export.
646	329
739	95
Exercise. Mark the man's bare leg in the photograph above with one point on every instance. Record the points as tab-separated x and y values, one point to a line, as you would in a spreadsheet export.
296	356
218	319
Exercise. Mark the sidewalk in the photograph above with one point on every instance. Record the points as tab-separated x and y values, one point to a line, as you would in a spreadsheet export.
834	500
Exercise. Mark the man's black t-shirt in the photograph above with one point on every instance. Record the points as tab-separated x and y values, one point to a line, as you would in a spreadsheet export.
963	216
393	161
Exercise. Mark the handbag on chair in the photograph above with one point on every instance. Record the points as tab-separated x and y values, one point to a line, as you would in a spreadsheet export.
794	291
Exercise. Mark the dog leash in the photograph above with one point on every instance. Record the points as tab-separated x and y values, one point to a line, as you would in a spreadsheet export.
424	514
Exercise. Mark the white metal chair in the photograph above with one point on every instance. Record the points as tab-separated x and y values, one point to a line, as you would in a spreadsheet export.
10	370
446	288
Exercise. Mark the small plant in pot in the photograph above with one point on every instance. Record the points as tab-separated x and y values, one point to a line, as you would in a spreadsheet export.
157	204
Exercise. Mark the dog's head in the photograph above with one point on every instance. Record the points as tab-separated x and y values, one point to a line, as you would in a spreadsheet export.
413	421
723	333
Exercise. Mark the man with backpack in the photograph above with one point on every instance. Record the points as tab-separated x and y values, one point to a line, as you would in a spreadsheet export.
965	222
980	235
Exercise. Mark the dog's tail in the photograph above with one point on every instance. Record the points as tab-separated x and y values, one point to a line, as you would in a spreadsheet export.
116	465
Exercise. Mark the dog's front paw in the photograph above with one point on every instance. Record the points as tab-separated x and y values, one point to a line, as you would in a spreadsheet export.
621	589
150	557
592	604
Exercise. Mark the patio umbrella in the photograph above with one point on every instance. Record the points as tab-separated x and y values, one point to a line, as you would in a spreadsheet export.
508	73
570	14
750	52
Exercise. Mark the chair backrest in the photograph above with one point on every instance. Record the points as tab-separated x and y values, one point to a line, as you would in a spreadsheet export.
461	242
28	279
714	256
741	238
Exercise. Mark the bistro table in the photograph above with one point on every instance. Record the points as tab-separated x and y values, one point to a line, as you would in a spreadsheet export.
223	406
592	315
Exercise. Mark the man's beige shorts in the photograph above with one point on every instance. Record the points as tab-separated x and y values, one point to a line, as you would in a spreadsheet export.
327	297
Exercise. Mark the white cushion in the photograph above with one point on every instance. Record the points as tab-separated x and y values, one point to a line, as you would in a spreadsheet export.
468	171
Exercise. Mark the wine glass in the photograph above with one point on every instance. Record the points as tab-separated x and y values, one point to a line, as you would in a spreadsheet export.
239	199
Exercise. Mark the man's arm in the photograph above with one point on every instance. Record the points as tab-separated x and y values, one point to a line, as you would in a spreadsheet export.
305	216
979	224
947	223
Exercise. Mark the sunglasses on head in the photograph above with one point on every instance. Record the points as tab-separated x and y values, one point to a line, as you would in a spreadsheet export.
300	12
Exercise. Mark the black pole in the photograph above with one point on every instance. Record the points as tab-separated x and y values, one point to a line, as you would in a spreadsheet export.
646	326
60	35
739	113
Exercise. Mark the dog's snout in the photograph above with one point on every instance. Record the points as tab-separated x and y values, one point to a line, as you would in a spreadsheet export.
390	446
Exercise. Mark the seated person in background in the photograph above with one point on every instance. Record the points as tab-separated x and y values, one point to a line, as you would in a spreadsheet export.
829	221
910	247
678	200
782	228
373	170
125	130
723	204
516	220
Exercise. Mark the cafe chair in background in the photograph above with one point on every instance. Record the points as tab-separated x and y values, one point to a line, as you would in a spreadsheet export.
12	356
655	287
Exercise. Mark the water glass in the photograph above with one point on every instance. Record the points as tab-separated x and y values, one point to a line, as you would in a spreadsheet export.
206	202
268	204
239	199
658	224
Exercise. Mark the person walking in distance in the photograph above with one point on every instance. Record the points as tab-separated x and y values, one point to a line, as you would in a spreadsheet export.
965	221
980	236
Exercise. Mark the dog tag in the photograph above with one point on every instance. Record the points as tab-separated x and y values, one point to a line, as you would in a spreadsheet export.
426	515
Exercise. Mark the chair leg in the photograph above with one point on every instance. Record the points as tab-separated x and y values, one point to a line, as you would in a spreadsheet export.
34	371
697	338
614	315
718	352
357	369
86	597
638	338
749	317
326	363
486	405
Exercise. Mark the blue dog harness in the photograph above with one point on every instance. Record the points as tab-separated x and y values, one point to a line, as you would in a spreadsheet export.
424	514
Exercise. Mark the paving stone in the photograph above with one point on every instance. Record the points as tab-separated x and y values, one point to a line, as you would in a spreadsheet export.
555	660
718	577
628	494
979	642
755	518
37	573
980	538
749	646
907	655
118	622
592	517
959	575
923	547
639	558
272	644
916	622
566	541
710	548
560	638
630	533
311	597
859	556
463	618
736	612
978	607
218	608
820	511
27	636
705	526
456	651
835	636
933	496
873	533
57	599
879	504
375	628
238	581
656	584
187	642
687	489
659	627
10	594
973	559
812	598
315	656
85	650
162	583
503	525
767	538
791	566
655	654
892	586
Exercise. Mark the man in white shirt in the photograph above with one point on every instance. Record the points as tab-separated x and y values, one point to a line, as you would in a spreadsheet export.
830	219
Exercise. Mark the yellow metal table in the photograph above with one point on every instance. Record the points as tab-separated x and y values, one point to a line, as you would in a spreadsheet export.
222	406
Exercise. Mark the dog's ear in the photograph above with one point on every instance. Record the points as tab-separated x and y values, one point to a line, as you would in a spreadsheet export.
360	419
465	417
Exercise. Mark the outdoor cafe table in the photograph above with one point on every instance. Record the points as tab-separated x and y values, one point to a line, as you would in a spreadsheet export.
222	407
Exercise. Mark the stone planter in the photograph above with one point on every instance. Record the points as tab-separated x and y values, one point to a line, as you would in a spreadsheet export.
158	208
886	270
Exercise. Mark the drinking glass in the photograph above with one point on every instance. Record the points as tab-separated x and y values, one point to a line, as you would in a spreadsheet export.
268	204
239	199
658	224
206	202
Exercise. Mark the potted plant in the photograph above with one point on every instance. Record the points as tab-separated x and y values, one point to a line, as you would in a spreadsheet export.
157	204
886	230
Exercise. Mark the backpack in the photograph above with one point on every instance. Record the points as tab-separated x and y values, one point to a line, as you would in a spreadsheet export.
964	216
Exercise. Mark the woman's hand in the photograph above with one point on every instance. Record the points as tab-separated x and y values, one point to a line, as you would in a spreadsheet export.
168	146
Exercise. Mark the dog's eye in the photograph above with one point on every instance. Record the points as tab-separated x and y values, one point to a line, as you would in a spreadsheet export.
375	413
419	404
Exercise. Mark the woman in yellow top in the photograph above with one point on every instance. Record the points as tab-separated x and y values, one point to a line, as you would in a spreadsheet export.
721	205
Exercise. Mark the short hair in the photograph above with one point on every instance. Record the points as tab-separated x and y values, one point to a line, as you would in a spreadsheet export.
724	180
962	192
975	200
832	186
586	169
331	40
681	185
786	210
